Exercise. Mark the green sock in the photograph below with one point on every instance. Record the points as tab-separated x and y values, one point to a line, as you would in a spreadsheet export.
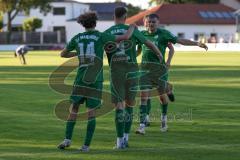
91	125
148	106
143	111
119	122
69	129
164	109
128	119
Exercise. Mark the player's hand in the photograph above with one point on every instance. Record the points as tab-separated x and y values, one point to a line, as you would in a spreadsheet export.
202	45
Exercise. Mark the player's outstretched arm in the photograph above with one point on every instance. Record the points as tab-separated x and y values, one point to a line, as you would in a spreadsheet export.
187	42
155	49
127	35
65	54
170	55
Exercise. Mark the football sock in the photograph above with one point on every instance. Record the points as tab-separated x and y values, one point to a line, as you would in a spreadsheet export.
69	129
91	125
128	119
126	135
119	122
119	141
143	111
148	106
164	109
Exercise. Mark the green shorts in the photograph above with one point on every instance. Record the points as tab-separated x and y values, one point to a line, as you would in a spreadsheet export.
153	77
124	82
89	93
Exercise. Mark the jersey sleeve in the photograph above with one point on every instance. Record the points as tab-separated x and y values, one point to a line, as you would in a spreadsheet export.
71	45
106	37
139	36
170	37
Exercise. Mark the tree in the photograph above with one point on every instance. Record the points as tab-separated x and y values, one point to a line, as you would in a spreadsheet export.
133	10
151	2
1	22
31	24
13	7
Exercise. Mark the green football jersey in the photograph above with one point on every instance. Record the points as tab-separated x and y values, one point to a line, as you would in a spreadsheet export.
160	38
89	45
126	47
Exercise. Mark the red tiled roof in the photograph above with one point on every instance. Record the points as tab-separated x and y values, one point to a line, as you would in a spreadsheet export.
184	14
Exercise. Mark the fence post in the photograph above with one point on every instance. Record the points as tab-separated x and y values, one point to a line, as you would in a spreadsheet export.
41	37
59	36
24	36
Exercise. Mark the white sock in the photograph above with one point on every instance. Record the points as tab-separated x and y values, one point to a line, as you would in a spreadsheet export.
126	136
119	141
164	118
147	118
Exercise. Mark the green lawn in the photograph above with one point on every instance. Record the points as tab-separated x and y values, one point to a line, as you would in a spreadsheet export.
204	120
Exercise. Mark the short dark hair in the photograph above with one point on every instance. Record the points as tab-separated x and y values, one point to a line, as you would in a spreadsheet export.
153	15
88	19
120	12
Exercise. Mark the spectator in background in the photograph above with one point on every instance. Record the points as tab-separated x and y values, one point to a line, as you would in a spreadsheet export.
212	39
20	52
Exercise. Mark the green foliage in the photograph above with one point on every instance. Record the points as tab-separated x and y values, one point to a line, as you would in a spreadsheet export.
1	21
24	5
31	24
13	7
132	10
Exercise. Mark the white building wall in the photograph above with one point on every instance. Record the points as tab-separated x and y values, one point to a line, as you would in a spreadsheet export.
72	10
222	31
73	28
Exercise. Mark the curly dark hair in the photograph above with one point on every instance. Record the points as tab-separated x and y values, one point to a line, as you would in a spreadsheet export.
88	19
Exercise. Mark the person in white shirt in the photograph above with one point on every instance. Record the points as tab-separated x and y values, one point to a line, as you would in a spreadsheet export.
20	52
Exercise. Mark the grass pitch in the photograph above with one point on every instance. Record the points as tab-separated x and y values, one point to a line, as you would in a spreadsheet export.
204	120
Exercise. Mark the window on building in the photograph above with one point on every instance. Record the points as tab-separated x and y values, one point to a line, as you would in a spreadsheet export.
181	35
216	14
59	11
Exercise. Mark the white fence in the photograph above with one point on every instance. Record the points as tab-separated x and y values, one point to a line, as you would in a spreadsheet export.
212	47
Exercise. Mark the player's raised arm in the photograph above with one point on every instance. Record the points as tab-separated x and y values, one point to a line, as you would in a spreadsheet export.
127	35
66	54
187	42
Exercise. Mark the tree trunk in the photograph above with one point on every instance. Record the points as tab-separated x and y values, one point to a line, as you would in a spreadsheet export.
9	27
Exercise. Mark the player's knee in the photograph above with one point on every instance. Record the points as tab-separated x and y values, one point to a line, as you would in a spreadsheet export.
119	105
130	103
163	99
91	114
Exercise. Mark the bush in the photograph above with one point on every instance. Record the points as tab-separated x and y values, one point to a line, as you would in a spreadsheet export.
31	24
1	22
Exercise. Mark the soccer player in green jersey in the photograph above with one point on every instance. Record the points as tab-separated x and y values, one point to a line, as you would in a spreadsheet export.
170	95
88	46
124	66
161	38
